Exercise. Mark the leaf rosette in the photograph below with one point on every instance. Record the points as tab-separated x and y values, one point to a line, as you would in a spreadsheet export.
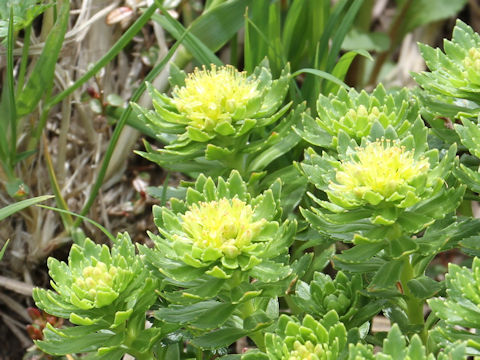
308	339
221	235
385	184
453	84
355	113
395	346
94	278
323	294
220	119
105	292
460	310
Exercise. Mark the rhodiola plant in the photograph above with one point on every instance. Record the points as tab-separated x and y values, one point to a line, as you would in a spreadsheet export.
222	252
459	311
451	86
222	119
342	294
226	261
379	195
395	346
307	339
355	113
105	293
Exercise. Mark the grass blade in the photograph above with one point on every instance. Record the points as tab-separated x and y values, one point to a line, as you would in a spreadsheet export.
11	95
2	252
322	74
198	50
220	24
13	208
68	212
67	220
341	32
44	69
109	56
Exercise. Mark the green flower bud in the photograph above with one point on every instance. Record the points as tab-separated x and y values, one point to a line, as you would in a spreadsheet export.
395	347
323	294
354	114
309	339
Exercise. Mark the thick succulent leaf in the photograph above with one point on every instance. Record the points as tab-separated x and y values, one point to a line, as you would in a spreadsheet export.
424	287
202	315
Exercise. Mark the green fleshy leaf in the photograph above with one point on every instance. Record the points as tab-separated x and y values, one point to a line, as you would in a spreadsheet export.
424	287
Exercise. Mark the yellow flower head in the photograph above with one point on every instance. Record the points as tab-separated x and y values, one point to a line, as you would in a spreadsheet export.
94	278
306	351
382	167
226	225
362	112
210	97
472	60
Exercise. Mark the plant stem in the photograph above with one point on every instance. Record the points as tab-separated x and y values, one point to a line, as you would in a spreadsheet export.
414	305
199	354
23	64
247	309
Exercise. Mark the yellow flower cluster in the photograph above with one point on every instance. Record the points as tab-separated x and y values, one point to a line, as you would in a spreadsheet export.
306	351
226	225
362	112
382	167
210	97
472	60
95	278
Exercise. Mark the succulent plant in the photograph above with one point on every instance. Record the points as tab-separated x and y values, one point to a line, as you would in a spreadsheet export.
105	292
24	12
385	184
323	294
221	119
453	84
469	133
309	339
395	347
222	235
355	113
460	310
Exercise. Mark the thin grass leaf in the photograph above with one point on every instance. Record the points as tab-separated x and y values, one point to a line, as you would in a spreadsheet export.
13	208
108	57
341	32
217	26
321	74
43	72
294	19
341	68
100	227
333	20
255	46
60	201
276	56
25	51
2	252
198	50
275	51
11	93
